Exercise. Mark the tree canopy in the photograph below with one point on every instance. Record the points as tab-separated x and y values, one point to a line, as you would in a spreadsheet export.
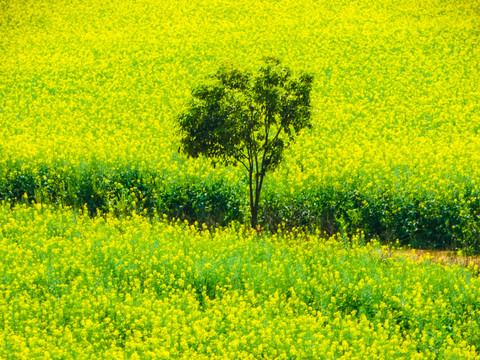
238	117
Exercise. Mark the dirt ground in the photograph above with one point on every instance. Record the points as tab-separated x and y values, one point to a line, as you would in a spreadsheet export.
443	257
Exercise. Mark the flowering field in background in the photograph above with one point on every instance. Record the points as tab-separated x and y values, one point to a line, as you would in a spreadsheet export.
76	287
396	93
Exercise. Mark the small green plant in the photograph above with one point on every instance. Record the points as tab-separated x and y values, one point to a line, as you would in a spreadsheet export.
248	119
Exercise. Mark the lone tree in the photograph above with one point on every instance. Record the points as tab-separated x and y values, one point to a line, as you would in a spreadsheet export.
239	117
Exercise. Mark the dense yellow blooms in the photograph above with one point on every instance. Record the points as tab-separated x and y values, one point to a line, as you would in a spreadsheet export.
87	84
76	287
396	95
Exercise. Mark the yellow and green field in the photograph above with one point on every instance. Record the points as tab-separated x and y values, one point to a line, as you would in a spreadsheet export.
89	94
81	288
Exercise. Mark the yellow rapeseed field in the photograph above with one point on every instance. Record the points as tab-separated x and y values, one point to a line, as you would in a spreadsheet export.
396	95
89	94
72	287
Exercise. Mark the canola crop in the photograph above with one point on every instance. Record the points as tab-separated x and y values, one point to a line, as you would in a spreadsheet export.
89	95
396	93
76	287
89	92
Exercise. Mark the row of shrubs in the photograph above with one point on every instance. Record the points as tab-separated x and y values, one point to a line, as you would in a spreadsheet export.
123	192
428	223
421	223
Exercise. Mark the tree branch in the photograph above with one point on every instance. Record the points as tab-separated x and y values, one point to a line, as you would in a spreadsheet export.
267	146
237	158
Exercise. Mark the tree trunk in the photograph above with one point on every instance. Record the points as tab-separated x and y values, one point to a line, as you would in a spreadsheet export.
254	216
256	199
253	209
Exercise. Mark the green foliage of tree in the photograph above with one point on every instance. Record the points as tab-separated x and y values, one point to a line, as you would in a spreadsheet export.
246	118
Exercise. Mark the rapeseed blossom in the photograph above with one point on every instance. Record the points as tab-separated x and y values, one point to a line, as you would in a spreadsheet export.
94	87
78	287
395	99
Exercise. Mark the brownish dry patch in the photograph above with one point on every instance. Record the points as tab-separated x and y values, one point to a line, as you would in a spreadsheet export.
438	256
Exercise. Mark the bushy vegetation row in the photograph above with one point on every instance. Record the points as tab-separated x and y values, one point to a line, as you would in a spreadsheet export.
76	287
122	192
433	223
426	222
